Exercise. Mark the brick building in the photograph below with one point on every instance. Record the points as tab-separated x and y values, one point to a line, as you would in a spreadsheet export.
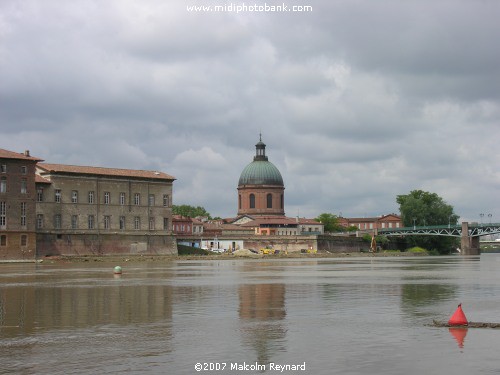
371	223
17	205
93	210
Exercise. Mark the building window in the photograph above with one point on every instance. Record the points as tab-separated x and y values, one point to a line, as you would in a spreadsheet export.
57	221
165	200
252	200
23	214
151	223
24	240
57	196
239	201
122	222
3	214
91	221
107	222
24	186
282	202
151	200
137	222
74	222
4	168
39	195
107	197
269	200
3	185
74	196
137	199
165	223
24	170
122	199
91	197
3	240
39	221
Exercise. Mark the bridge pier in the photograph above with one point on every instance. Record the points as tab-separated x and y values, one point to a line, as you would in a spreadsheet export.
469	244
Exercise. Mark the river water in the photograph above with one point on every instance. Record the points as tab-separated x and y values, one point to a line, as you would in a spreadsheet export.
314	316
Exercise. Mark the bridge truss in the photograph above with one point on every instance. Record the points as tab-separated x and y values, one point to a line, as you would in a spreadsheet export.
474	230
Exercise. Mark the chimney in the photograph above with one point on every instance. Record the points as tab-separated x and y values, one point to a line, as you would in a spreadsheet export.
27	153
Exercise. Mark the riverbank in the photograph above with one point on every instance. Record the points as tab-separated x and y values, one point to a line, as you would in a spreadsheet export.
171	258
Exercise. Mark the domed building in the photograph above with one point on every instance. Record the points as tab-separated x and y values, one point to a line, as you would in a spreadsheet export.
260	187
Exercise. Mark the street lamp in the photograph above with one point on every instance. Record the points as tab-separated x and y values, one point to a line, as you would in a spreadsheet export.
489	216
481	216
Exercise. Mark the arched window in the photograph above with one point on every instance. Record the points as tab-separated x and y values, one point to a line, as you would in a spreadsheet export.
282	201
269	200
239	201
252	200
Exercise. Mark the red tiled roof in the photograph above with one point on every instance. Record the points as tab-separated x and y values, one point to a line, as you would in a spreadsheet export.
114	172
40	180
281	220
6	154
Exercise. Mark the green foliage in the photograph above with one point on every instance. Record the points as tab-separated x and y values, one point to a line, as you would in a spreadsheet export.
188	250
331	222
190	211
417	250
422	208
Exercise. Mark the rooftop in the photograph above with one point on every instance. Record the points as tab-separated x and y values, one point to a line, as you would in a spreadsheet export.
100	171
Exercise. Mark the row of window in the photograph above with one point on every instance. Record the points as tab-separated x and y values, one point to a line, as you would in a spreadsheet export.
3	169
383	225
3	214
106	197
23	240
3	185
91	222
187	228
269	201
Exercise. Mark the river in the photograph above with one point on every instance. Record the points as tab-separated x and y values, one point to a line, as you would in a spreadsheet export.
312	316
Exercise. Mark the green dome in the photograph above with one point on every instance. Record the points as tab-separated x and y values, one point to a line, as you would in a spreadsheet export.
261	172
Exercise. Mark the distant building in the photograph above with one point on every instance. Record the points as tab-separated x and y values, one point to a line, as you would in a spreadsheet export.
17	205
94	210
372	223
284	226
261	190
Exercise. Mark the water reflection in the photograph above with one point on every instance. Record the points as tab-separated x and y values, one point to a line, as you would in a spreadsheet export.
459	335
43	306
416	296
262	311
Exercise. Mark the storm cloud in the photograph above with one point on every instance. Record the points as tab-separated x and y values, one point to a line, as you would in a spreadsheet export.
357	101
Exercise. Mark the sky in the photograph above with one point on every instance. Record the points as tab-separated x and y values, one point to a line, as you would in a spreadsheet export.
358	101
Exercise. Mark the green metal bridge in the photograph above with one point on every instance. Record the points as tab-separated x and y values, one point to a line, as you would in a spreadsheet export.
472	230
469	233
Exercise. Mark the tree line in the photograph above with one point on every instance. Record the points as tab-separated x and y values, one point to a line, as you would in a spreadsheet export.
420	208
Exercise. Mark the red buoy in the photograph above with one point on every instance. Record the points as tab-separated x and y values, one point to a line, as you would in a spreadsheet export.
458	318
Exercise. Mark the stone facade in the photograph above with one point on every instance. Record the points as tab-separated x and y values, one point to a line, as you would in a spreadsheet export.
90	210
17	205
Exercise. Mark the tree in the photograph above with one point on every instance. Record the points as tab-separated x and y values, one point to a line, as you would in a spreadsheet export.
190	211
421	208
331	222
